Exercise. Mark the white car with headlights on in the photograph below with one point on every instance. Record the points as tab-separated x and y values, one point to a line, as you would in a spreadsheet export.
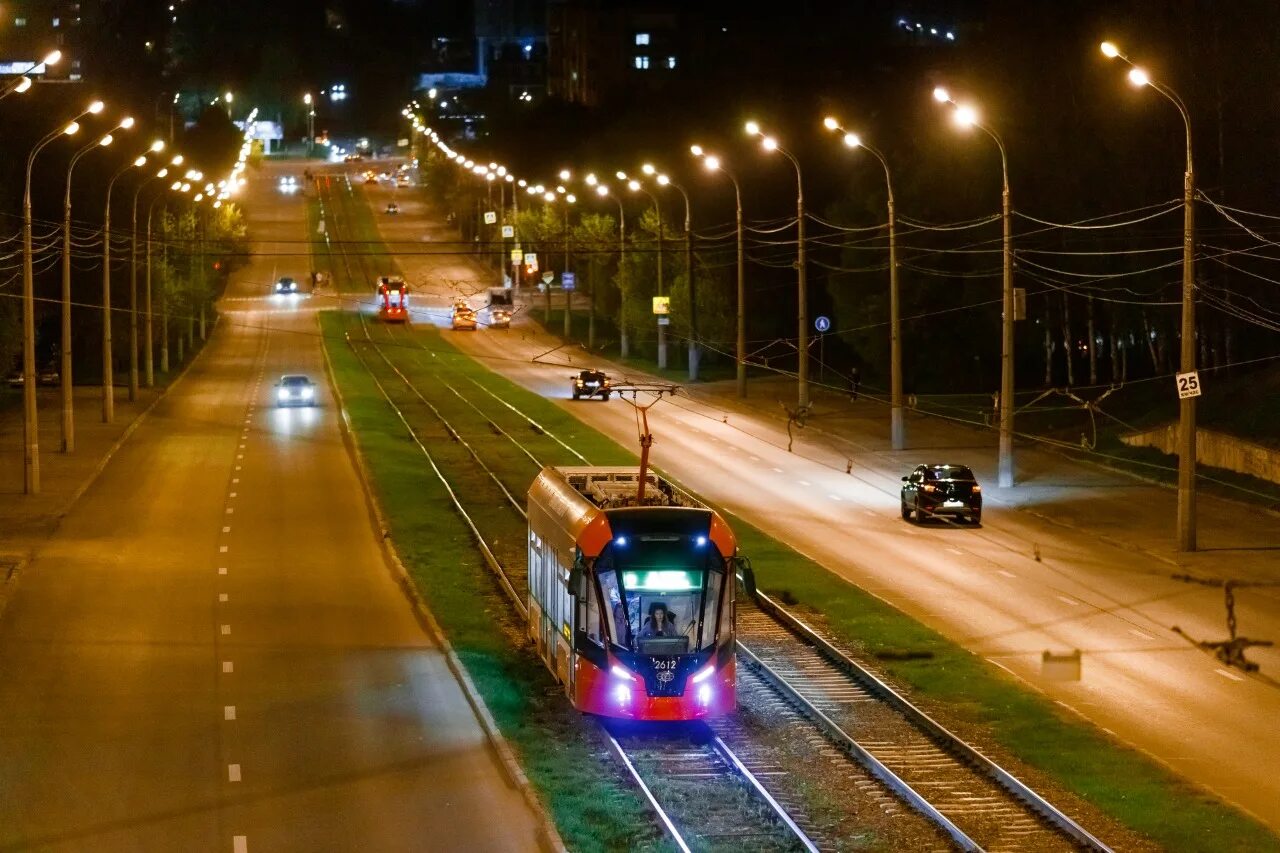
294	389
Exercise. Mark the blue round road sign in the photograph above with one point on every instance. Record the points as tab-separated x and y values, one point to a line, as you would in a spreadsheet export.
822	324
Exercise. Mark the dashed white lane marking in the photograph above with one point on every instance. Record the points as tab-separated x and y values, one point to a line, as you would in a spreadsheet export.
1143	634
1066	600
237	467
1230	675
222	549
223	597
239	844
956	551
228	666
242	448
239	455
233	772
226	629
1006	574
222	570
232	495
226	530
228	712
234	480
230	510
779	470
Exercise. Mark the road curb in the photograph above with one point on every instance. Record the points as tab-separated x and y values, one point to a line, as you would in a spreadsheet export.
548	836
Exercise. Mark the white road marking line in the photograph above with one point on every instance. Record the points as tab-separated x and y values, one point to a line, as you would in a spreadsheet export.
230	510
226	530
242	448
222	570
222	549
241	456
222	596
228	666
1066	600
779	470
228	712
1143	634
1230	675
956	551
1006	574
233	772
237	467
226	629
239	844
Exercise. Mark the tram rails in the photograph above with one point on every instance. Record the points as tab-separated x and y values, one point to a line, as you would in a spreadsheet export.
1042	813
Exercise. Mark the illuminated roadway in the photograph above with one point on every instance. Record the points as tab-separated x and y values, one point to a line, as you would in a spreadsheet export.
1102	583
211	655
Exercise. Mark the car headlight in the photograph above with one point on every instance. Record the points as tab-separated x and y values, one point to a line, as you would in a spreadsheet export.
308	393
282	394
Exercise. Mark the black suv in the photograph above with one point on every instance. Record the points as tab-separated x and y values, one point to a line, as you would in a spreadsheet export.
591	383
932	490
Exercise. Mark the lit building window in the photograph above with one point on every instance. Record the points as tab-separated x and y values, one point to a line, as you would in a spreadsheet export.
57	22
19	22
642	38
671	62
642	62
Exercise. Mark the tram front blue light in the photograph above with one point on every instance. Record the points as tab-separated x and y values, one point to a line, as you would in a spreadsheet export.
701	540
620	541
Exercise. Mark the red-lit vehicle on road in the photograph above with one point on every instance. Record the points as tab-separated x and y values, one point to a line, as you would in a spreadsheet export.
631	601
393	299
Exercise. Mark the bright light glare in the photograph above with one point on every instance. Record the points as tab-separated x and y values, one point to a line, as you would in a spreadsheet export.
941	95
633	185
695	150
126	122
620	175
705	673
648	169
162	173
571	198
769	143
591	179
602	190
96	107
23	85
1109	50
712	162
53	58
71	129
752	128
549	196
1138	77
663	180
829	123
141	161
851	140
177	160
564	174
106	140
157	146
966	116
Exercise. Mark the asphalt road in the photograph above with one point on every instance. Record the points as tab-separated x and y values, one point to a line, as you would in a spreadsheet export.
1102	582
210	654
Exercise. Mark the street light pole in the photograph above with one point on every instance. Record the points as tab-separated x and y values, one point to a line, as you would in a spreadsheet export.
1187	444
602	190
30	430
108	380
897	425
663	181
967	116
311	124
636	186
713	164
768	143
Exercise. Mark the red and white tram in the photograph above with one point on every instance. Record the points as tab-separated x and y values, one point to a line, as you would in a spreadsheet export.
631	600
393	299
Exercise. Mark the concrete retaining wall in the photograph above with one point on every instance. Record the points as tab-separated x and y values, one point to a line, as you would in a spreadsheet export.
1215	449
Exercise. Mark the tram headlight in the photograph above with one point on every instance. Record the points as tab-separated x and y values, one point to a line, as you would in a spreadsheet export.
622	694
624	674
703	674
704	694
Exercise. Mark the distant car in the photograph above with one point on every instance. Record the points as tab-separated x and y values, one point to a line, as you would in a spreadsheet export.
464	319
286	285
403	182
393	208
500	318
48	375
354	158
591	383
295	389
14	379
370	179
288	184
936	490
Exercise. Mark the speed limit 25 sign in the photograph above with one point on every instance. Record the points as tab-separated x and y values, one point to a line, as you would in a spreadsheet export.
1188	384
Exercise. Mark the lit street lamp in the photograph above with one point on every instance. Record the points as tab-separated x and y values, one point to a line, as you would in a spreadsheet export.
966	116
768	143
311	124
65	366
636	186
108	380
602	190
897	427
1186	405
156	148
148	333
23	82
714	164
31	443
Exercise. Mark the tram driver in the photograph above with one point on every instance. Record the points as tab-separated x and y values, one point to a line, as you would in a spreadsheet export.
659	623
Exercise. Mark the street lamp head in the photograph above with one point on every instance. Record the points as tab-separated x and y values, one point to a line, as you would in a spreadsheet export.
502	171
140	161
52	58
571	198
540	188
493	165
157	146
306	99
72	129
177	160
752	128
228	97
431	93
648	169
176	185
602	190
965	115
695	150
549	196
510	178
126	122
490	176
620	175
591	180
199	197
830	123
23	85
565	174
522	183
185	186
162	173
1109	50
106	140
851	140
468	163
1138	77
96	107
769	143
941	95
663	180
560	189
712	162
633	185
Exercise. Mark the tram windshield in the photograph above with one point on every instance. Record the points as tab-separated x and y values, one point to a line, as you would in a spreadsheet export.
662	597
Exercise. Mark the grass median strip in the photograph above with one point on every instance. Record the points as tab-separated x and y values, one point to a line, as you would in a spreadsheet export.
1121	783
563	754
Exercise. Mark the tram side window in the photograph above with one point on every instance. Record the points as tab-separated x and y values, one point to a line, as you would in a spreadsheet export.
619	630
594	629
711	610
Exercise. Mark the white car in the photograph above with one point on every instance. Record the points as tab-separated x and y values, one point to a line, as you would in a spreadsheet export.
294	389
288	184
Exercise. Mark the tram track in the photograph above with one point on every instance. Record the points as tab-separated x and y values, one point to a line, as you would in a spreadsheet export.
974	803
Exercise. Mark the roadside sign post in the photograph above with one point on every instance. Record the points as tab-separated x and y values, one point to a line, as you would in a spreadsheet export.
508	232
1188	384
547	278
822	324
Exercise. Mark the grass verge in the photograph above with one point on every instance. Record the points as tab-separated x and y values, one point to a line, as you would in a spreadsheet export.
1122	783
594	809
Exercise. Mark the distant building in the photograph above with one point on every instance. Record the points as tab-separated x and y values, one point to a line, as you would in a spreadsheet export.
597	50
31	29
511	46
